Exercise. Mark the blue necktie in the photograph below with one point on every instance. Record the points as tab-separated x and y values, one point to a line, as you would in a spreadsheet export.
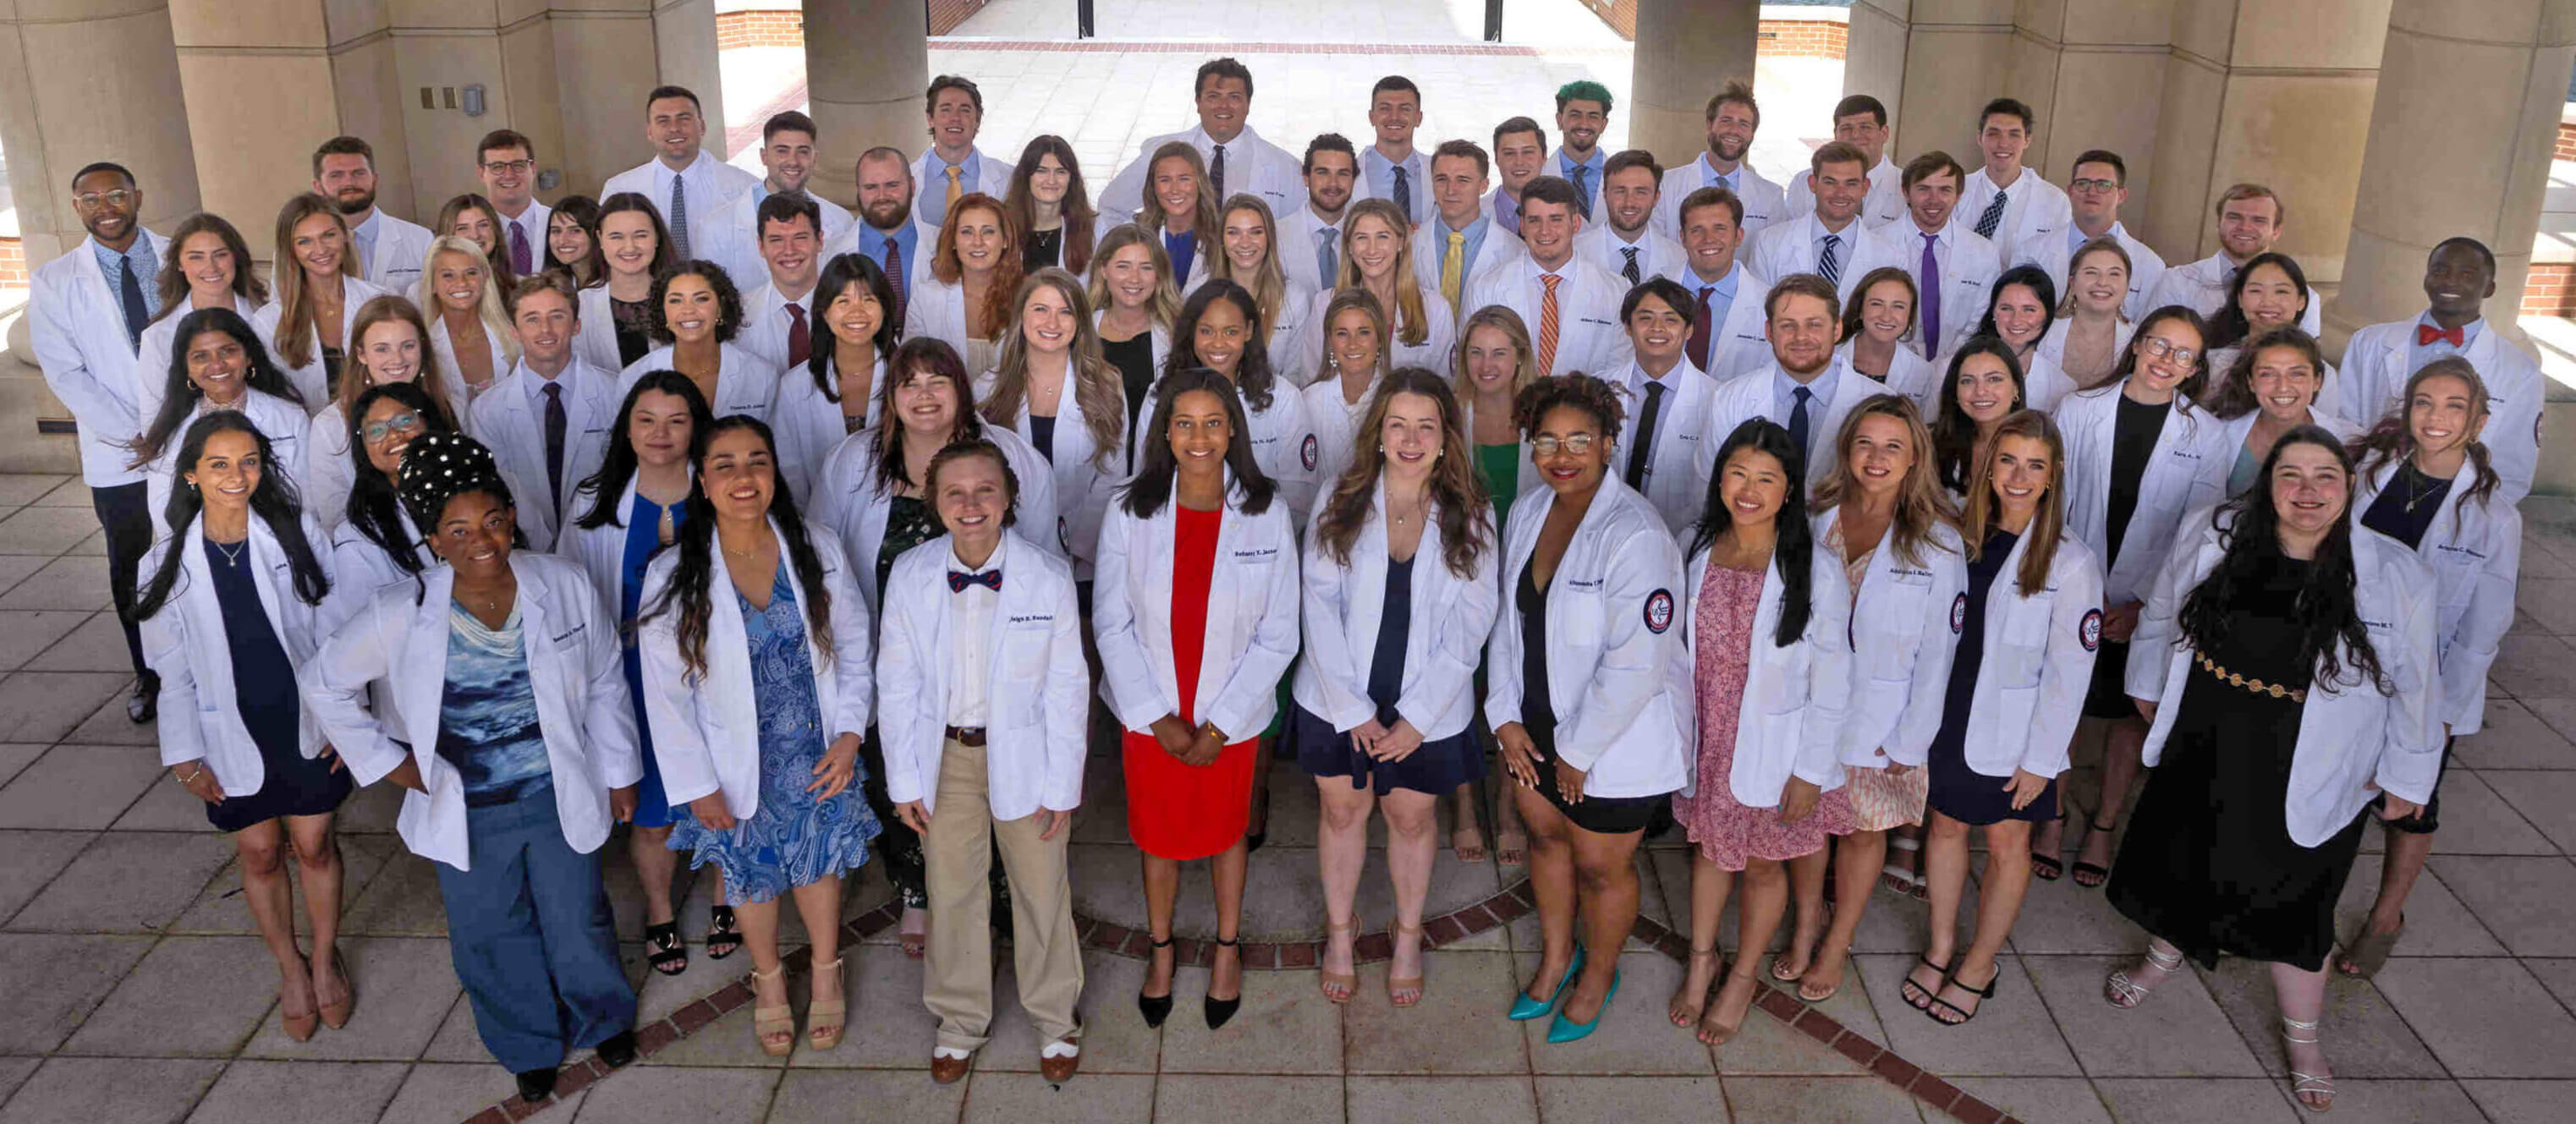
1798	422
991	579
129	292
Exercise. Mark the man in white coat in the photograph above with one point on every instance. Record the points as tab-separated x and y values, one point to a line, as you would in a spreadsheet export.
1831	239
2250	218
1954	269
1806	390
2005	202
390	251
547	422
953	166
85	316
779	319
1625	242
1861	122
1520	154
2099	185
1663	437
685	181
1310	237
1570	305
1726	336
887	231
1392	169
505	162
1237	159
787	153
1732	120
2459	276
1460	241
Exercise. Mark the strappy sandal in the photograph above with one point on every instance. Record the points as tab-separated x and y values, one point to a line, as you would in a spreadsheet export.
1405	991
2088	875
1348	982
1939	1004
668	954
1917	995
2124	993
1682	1014
827	1019
2305	1085
769	1023
724	934
1894	875
2364	955
1468	842
2047	866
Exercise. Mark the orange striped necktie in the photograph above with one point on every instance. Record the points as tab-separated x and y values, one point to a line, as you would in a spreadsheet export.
1547	324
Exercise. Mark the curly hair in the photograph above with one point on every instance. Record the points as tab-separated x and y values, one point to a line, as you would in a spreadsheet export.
1579	391
728	298
689	593
2392	439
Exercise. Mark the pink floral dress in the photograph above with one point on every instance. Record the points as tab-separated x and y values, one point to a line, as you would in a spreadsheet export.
1879	799
1727	832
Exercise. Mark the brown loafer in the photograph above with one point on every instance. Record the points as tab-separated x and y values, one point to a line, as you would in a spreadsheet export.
947	1070
1057	1070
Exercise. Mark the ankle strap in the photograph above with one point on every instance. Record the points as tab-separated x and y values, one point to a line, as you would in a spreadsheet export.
2169	964
1165	942
771	974
1229	942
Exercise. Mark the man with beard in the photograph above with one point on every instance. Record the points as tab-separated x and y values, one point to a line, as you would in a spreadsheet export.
1732	120
1310	237
1861	122
1625	242
2096	190
506	164
1237	159
1582	111
1952	267
1830	239
85	316
1392	169
1806	390
2007	203
787	152
1520	154
2250	218
1570	305
953	167
887	231
1460	241
390	251
683	179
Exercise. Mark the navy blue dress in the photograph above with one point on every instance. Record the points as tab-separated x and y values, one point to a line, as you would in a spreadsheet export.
264	688
1957	791
1435	767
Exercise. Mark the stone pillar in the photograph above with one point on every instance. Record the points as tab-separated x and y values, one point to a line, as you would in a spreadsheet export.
866	63
2272	91
2094	72
1686	51
1933	62
2473	88
83	81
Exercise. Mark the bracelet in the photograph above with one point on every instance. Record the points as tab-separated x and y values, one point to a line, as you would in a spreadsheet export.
190	778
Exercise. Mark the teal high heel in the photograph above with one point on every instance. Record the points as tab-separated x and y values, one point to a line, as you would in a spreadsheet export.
1565	1030
1525	1008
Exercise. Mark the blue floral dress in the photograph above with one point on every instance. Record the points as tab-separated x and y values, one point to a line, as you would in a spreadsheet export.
794	839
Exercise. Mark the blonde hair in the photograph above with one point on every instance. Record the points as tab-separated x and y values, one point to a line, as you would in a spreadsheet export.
1268	283
354	376
1920	503
1366	302
1098	388
489	308
295	329
1412	324
1165	305
2039	540
1501	318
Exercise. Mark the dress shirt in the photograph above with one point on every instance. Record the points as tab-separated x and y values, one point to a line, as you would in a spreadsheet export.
970	637
1820	393
1380	173
1590	185
532	224
934	200
2418	354
112	265
1472	246
1886	202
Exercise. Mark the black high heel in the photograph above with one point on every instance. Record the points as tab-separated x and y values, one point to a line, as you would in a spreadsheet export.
1220	1010
1156	1008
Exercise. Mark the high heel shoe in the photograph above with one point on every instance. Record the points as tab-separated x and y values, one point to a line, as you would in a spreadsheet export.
1405	991
1327	980
772	1022
1220	1010
1156	1008
336	1015
1525	1008
1567	1030
827	1019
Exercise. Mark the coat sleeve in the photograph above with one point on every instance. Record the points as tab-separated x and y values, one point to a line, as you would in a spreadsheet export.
2472	649
1928	695
56	342
2410	755
1113	627
2159	624
1451	669
165	651
1068	706
900	698
608	722
1329	658
1255	682
680	749
1631	670
2066	670
1297	484
1829	671
358	652
853	680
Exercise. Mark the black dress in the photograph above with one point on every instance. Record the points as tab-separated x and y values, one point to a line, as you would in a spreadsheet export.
1957	791
1041	249
1134	358
2404	511
1436	767
264	689
2208	863
634	321
2133	442
1604	815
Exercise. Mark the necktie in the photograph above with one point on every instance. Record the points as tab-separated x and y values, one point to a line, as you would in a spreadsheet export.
1641	451
1582	192
1702	329
1993	214
895	278
2425	334
991	579
680	218
1326	260
956	187
129	292
1928	278
1216	175
1403	193
519	263
800	339
555	425
1547	325
366	243
1629	270
1830	263
1453	262
1798	422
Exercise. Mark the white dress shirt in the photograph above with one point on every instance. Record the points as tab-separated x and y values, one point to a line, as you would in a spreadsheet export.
1886	202
1657	255
1798	246
970	615
1252	165
1969	266
1589	336
2036	211
712	184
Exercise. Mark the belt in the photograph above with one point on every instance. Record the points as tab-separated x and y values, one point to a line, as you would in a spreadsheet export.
972	737
2257	686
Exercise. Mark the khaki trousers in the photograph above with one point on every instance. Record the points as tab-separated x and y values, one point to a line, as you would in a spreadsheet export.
957	977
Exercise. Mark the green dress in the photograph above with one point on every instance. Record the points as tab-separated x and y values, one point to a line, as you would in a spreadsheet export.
1501	465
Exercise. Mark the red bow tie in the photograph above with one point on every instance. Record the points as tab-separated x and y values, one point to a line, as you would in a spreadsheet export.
2425	334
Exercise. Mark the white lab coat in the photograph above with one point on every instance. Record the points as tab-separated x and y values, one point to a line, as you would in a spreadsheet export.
1252	165
597	343
930	189
1305	365
2036	212
2036	664
160	340
1969	266
1908	373
2474	551
76	326
1618	671
1284	442
2053	346
937	309
848	500
503	350
359	568
1790	246
733	236
1886	201
185	644
2201	286
712	184
2352	739
1335	424
1082	489
601	550
1740	400
1251	617
1590	337
1444	637
400	637
745	383
2377	364
1037	690
1791	718
313	380
808	426
1764	202
401	253
2146	267
1657	254
515	430
329	469
1673	482
2191	446
1736	343
1902	638
1499	247
277	419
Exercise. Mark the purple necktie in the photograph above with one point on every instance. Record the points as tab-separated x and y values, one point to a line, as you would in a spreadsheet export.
1930	279
519	263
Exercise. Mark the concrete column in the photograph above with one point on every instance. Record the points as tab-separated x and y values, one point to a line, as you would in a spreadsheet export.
1686	51
89	80
2272	91
866	63
2473	88
2094	71
1933	62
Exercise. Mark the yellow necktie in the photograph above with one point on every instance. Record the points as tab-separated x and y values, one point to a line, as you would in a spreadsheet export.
955	188
1451	265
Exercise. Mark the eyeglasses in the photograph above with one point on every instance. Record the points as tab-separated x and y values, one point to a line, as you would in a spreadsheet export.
2093	185
522	167
95	199
1578	445
2155	347
397	424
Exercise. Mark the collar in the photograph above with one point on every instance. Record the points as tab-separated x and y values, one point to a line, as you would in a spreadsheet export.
1411	163
1598	158
1725	284
1199	136
1988	178
1709	173
1822	387
1441	228
662	170
993	563
1673	380
2468	332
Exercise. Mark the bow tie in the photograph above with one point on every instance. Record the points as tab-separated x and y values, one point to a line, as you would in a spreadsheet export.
989	579
2425	334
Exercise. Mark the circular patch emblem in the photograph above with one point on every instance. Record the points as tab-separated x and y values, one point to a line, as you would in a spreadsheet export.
1309	452
1659	611
1958	614
2090	631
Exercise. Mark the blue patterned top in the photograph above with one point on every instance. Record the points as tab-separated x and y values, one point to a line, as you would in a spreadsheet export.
487	721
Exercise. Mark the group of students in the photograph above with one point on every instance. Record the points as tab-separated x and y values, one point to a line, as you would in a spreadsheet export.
1726	558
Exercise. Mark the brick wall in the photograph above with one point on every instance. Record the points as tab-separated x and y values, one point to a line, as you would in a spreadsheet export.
1815	39
2566	141
13	264
945	15
2550	290
771	28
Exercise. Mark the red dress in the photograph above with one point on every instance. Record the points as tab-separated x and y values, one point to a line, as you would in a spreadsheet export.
1176	811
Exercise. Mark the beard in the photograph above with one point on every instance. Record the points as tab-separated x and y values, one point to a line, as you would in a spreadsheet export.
354	205
890	214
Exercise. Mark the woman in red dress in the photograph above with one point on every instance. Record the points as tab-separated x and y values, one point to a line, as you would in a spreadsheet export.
1195	610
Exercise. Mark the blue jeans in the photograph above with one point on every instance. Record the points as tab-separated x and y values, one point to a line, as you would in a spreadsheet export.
533	939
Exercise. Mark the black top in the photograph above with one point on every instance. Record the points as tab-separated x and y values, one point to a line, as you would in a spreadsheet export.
1042	248
1538	710
332	358
263	680
1134	358
1971	653
634	328
1394	621
2133	440
910	522
1042	435
2405	509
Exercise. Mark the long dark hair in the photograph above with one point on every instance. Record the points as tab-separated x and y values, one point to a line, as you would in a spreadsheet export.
2325	605
843	271
1954	433
728	299
171	283
375	510
179	396
2229	327
2030	277
1457	490
622	202
1253	376
1793	552
584	213
1075	209
2392	439
1145	493
273	500
2188	391
924	357
607	487
695	570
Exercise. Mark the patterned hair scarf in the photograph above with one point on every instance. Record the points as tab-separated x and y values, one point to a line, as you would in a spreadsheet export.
439	467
